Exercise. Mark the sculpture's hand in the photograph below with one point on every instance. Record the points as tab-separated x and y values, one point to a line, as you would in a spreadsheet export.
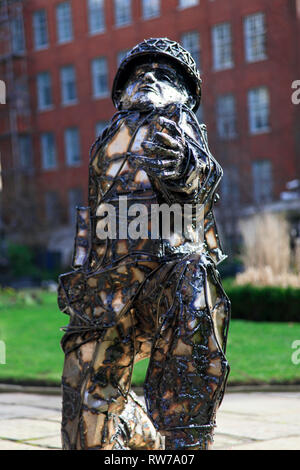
165	152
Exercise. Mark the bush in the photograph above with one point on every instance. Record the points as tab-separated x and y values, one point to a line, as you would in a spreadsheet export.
277	304
21	261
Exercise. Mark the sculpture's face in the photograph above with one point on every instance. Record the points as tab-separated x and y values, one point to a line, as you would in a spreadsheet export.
153	85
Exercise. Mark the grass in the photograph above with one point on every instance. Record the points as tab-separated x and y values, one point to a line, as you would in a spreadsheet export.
30	327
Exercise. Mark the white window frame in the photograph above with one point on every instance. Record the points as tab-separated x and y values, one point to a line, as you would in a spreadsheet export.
44	85
255	37
72	146
67	77
48	152
64	22
190	40
262	181
119	8
222	46
40	29
226	116
259	110
96	16
99	69
151	9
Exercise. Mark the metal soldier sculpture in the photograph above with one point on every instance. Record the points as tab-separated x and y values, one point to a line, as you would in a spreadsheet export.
130	298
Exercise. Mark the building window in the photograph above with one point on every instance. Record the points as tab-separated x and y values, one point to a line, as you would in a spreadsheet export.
96	16
72	147
40	29
52	206
151	9
64	22
99	128
25	150
259	110
262	181
75	197
100	77
121	55
188	3
200	114
17	34
68	84
191	42
48	151
222	46
226	117
122	12
255	37
44	90
230	191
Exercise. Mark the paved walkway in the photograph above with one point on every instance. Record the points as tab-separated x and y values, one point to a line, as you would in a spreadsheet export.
254	421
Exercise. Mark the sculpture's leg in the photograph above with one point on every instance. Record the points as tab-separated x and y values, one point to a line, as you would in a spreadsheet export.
188	370
98	410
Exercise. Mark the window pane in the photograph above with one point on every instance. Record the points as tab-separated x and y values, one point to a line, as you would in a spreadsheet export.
222	46
48	150
17	33
72	146
188	3
52	207
75	197
40	29
122	12
96	16
25	149
226	116
100	126
255	37
64	22
191	42
262	181
99	76
68	84
151	8
200	114
44	90
121	55
230	191
259	110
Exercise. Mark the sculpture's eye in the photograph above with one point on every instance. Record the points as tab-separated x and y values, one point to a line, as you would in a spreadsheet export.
164	76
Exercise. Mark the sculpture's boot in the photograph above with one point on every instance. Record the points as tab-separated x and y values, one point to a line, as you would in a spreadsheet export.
197	438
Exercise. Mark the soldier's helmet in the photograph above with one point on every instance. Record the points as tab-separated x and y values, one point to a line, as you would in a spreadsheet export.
154	48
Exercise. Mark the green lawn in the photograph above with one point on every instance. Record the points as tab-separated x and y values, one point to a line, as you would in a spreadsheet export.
30	328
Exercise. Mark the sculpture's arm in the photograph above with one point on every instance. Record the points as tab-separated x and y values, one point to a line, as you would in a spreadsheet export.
181	167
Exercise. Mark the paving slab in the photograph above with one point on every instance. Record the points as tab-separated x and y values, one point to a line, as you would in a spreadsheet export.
245	421
27	429
289	443
51	442
10	445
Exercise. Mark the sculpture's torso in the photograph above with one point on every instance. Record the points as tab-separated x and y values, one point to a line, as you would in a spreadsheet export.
117	179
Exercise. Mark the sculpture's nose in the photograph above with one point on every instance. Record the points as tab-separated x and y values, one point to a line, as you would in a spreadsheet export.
149	77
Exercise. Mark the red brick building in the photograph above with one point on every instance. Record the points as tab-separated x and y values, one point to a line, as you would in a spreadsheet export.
63	56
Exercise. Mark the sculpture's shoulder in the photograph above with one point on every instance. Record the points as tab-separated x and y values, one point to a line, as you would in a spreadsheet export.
98	150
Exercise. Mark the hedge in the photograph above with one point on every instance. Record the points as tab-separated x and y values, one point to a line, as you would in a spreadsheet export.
277	304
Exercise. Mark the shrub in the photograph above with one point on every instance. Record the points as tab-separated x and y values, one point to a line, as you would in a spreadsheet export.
277	304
